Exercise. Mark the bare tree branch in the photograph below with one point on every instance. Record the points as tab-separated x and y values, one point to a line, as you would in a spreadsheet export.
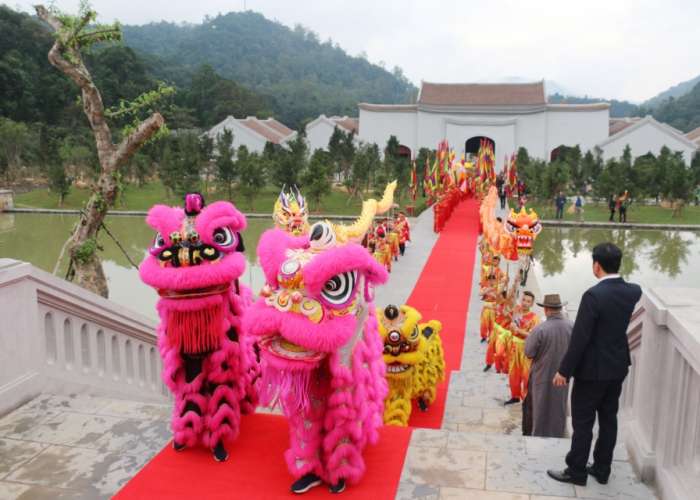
138	137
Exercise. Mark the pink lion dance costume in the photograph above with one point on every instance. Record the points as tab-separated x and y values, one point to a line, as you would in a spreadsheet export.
321	354
209	364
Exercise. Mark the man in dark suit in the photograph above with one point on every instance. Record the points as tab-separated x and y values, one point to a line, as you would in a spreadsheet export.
598	358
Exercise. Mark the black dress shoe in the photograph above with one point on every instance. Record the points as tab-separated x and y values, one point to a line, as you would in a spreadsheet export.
511	401
178	447
564	476
305	483
483	340
487	368
601	478
422	404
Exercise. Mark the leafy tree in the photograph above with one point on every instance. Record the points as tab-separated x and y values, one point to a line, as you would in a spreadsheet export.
316	179
289	162
396	167
251	174
14	140
341	148
189	164
225	166
73	36
591	166
59	181
364	162
678	186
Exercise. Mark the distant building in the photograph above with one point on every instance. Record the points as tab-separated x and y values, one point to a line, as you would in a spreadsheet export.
510	116
319	131
645	135
694	135
253	132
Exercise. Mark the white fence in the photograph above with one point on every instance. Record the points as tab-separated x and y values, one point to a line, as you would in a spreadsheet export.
57	337
661	398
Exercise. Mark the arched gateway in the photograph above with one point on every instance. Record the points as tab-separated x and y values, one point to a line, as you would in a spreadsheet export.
473	144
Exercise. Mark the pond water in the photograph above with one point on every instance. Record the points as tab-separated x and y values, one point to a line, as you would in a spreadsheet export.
650	258
562	255
37	238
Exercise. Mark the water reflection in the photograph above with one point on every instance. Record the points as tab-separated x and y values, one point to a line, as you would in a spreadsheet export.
651	258
37	238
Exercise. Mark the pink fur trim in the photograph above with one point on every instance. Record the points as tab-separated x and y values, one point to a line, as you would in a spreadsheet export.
338	260
165	220
218	214
272	251
226	270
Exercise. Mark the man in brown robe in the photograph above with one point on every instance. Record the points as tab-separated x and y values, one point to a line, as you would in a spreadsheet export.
546	346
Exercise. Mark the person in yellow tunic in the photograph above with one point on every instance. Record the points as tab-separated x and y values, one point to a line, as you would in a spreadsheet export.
524	320
489	296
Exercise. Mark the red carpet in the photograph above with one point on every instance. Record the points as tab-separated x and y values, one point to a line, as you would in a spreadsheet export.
443	291
256	468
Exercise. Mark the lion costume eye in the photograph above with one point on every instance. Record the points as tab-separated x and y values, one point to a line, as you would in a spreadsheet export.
321	236
339	289
223	237
158	241
415	333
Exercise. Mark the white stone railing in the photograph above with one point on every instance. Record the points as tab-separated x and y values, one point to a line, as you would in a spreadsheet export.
57	337
661	398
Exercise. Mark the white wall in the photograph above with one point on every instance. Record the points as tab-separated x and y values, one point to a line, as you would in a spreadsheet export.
649	137
318	135
377	126
569	128
241	135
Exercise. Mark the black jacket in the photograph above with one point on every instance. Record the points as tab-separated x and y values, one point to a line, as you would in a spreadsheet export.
599	349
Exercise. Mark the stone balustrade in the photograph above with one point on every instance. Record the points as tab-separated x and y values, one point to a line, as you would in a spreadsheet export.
56	337
661	398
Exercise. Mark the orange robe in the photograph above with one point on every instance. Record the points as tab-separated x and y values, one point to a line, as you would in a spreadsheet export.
519	365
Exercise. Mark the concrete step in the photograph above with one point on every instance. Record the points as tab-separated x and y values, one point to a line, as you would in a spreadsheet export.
444	464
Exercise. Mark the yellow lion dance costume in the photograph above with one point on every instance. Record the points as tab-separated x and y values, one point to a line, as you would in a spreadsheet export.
415	361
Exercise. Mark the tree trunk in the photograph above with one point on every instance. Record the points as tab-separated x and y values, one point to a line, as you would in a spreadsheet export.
85	264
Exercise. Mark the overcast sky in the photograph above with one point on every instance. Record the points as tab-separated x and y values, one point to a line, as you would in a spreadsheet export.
625	49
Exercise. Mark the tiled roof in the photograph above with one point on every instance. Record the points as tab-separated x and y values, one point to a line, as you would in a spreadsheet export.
694	135
270	129
620	124
349	124
482	94
278	126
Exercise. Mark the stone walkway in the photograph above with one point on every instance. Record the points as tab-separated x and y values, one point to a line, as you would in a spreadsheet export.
82	447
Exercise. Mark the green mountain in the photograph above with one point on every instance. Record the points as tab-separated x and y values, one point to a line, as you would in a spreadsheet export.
683	112
673	92
304	76
618	109
31	90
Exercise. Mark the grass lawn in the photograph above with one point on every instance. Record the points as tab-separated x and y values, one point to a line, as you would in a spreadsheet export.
649	214
143	198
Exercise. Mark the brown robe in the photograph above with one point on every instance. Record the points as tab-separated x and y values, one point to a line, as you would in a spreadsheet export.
546	346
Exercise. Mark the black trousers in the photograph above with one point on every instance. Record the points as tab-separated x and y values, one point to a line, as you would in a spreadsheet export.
527	412
588	399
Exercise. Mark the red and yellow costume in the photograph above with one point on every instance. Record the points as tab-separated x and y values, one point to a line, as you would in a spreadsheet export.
519	364
489	294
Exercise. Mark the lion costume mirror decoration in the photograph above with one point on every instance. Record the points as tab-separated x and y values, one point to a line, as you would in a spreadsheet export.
321	355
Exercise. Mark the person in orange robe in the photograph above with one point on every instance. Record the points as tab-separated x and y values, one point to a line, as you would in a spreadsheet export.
489	293
524	320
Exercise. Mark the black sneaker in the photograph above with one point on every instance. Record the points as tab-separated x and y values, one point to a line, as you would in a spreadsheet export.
483	340
178	447
422	405
487	368
220	453
511	401
338	487
305	483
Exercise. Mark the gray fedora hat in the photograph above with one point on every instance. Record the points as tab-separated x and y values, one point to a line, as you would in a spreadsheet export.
552	301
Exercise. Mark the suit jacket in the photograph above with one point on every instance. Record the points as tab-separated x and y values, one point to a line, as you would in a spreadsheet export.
599	349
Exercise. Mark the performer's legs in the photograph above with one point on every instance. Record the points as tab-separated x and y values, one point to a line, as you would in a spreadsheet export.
607	432
190	402
527	414
585	398
305	439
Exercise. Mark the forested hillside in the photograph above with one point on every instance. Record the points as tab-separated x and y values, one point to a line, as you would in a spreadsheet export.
618	109
304	76
683	112
674	92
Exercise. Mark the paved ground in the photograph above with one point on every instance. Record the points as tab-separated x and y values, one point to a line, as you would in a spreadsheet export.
59	447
